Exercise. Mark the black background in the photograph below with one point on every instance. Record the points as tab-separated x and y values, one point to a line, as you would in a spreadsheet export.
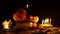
43	9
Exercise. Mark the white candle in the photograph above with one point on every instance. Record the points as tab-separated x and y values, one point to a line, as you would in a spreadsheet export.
47	21
50	21
42	21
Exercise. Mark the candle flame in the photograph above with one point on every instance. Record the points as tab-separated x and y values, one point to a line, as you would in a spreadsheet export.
27	5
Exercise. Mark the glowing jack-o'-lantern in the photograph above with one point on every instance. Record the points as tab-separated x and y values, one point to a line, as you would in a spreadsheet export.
34	19
20	15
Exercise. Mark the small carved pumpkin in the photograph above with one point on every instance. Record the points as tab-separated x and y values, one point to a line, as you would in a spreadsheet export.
34	18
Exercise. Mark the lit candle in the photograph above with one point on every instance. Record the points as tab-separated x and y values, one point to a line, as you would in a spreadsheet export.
46	21
50	21
42	21
27	5
5	24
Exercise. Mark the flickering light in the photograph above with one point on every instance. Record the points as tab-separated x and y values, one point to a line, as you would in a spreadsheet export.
46	20
46	25
42	21
31	24
37	18
5	24
50	21
34	19
27	5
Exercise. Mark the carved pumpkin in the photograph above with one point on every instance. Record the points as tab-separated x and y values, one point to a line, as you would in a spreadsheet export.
20	15
34	19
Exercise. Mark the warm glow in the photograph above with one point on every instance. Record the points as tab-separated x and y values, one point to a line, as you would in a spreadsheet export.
46	20
42	21
5	24
45	25
34	19
35	24
27	5
31	24
20	15
50	19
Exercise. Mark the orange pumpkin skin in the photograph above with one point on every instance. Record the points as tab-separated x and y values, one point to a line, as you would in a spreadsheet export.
20	15
34	19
